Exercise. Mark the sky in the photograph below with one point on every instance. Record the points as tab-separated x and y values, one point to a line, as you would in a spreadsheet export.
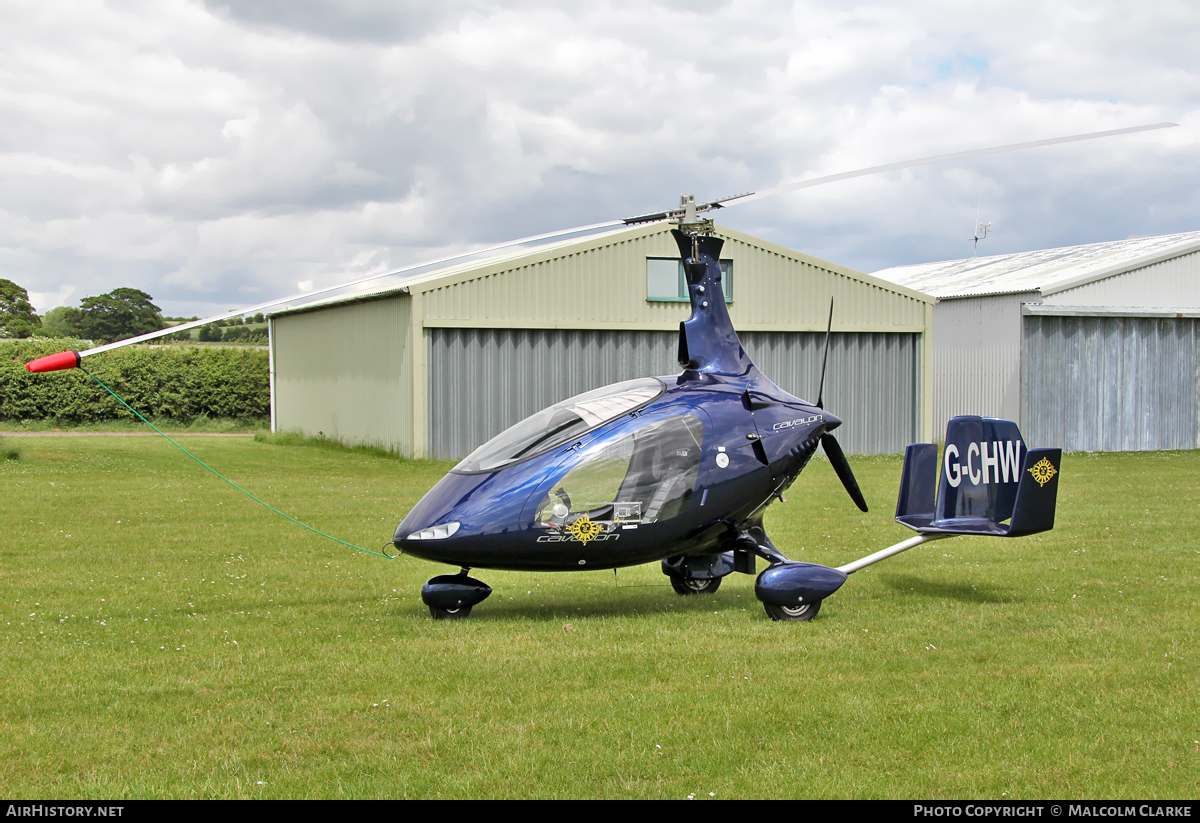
221	154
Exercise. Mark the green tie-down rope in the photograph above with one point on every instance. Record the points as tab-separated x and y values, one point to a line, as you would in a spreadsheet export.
223	477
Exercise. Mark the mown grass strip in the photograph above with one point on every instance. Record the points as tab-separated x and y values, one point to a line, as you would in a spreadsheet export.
164	638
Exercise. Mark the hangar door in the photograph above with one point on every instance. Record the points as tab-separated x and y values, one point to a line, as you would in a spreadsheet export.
481	381
1105	383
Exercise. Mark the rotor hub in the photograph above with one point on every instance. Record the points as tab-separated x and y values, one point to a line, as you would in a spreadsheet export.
688	220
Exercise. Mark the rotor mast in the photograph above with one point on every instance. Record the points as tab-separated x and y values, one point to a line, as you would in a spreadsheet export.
707	339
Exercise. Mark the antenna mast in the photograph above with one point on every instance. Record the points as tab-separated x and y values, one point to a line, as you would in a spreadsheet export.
982	230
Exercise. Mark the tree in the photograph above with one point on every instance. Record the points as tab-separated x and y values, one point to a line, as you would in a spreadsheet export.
210	333
62	322
17	318
119	314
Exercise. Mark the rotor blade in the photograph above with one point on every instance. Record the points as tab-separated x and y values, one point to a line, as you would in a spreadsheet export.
825	359
846	175
840	465
306	296
645	218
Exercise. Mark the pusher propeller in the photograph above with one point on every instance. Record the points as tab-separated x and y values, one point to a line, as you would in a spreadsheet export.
833	449
842	466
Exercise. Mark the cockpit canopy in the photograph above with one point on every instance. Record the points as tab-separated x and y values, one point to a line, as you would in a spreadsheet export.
560	423
647	476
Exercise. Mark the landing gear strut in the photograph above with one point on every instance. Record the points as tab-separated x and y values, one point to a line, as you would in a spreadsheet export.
789	591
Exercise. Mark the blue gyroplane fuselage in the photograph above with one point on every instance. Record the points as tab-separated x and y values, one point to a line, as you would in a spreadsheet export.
677	469
680	469
668	466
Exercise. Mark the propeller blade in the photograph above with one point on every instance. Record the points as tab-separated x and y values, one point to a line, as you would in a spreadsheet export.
825	359
828	442
842	466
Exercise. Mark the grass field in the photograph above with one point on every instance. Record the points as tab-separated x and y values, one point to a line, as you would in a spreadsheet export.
165	637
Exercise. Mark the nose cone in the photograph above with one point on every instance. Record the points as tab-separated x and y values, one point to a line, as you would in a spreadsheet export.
466	519
441	505
831	421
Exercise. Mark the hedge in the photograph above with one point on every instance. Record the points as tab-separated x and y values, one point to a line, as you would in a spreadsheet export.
177	382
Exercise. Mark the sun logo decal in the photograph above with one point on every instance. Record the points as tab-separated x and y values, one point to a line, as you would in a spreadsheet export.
1042	471
585	530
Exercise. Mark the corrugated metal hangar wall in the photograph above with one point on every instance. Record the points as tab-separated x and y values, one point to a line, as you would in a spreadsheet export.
1111	383
977	358
871	382
1109	361
452	358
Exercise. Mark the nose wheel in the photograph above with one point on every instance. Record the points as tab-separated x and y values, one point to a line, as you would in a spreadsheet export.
451	596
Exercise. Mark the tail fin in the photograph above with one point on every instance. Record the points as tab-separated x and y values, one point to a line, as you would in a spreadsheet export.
1037	493
991	483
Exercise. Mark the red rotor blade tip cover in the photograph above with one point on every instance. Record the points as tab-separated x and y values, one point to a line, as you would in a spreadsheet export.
54	362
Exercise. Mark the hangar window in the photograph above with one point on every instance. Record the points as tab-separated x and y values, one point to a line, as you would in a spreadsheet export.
665	282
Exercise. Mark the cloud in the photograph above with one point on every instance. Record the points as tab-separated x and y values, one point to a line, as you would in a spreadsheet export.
206	151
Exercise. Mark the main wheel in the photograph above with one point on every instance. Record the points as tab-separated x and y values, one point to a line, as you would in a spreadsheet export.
805	611
450	614
683	585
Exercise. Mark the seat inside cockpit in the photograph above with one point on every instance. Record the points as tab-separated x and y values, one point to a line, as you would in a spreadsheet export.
645	477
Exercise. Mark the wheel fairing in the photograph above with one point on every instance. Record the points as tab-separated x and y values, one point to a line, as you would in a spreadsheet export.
790	584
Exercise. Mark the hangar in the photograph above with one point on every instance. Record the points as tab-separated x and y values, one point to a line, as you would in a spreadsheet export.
437	363
1092	348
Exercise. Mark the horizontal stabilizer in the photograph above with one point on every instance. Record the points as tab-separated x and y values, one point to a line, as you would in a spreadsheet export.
990	483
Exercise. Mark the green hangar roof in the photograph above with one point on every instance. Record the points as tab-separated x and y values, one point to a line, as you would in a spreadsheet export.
584	283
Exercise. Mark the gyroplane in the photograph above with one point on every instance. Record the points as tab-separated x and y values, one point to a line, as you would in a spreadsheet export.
680	469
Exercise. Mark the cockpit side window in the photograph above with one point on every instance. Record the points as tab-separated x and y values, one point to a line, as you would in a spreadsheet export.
560	423
646	477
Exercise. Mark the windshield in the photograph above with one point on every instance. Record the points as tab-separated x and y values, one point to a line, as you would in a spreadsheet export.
559	423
